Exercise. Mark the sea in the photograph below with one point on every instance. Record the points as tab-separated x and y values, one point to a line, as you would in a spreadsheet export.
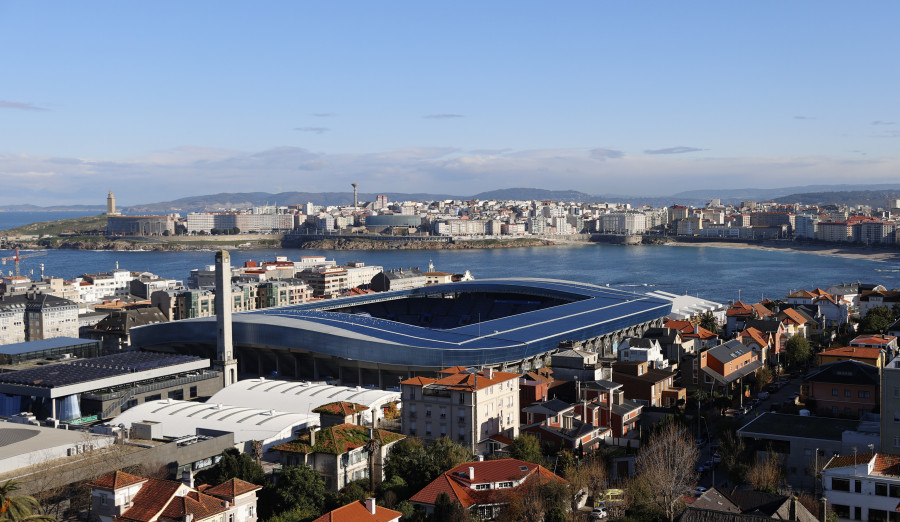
714	273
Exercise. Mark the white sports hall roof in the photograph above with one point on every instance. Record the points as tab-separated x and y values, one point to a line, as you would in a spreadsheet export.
686	306
299	397
182	418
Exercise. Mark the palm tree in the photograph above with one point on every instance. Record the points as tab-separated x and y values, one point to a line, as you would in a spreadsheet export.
19	508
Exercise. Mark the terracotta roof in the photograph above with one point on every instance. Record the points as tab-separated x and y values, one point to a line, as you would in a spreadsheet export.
231	489
115	480
849	460
457	485
738	309
794	316
857	352
418	381
194	503
689	329
356	511
874	339
755	335
761	310
150	500
336	440
341	408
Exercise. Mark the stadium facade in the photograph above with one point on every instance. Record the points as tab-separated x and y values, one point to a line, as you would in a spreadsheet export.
377	339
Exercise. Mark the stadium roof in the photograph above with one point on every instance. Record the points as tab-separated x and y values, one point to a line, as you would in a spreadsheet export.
83	375
298	397
591	311
182	418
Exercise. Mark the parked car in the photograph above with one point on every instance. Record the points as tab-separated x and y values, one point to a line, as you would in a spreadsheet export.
598	513
699	491
763	396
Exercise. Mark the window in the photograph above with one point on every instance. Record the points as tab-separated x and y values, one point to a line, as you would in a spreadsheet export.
881	489
193	392
482	486
847	411
857	486
848	393
505	485
839	484
894	491
427	428
863	394
428	412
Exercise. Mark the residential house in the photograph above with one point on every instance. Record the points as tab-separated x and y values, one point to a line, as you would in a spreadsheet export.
603	403
834	311
737	315
726	364
361	511
466	405
887	343
557	425
571	364
759	342
701	337
863	486
873	356
648	386
340	412
341	453
674	348
741	504
484	487
874	298
850	292
120	496
776	332
114	331
636	349
846	389
794	323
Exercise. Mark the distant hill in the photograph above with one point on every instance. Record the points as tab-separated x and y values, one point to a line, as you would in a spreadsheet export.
872	198
528	194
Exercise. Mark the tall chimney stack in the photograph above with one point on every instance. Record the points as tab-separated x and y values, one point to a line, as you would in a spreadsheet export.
225	361
355	195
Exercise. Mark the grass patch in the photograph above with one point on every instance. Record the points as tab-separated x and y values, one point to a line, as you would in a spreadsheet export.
61	226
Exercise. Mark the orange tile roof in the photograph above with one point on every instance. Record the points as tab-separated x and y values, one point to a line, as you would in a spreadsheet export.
231	489
150	500
874	339
468	381
340	408
738	309
849	460
418	381
756	335
457	485
761	310
856	352
794	316
194	503
115	480
356	511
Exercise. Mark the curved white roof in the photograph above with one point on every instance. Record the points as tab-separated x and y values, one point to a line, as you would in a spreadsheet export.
182	418
299	397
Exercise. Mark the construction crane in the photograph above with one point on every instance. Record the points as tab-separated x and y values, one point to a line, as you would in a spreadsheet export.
18	257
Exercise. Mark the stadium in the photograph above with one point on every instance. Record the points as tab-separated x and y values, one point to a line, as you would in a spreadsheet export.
376	339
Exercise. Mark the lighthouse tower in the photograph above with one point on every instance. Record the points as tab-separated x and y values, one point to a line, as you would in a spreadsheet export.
111	205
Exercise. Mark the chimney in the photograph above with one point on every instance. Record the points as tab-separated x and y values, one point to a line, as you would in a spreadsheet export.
792	514
370	505
823	509
312	436
187	478
471	472
489	373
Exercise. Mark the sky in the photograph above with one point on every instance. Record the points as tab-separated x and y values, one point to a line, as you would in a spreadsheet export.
166	99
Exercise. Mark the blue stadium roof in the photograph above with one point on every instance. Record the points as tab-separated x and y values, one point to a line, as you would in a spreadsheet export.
591	311
44	344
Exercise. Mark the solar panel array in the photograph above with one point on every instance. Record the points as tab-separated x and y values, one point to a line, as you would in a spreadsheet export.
75	372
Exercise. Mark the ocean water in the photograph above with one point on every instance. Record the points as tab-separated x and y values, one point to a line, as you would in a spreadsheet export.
16	219
719	274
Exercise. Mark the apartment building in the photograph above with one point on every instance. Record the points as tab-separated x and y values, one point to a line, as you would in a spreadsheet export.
863	486
466	405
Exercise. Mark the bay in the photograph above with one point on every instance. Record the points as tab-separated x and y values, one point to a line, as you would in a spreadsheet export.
716	273
719	274
17	219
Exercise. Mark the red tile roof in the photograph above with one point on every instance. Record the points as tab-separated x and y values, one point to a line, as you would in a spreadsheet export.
738	309
115	480
849	460
794	316
761	310
856	352
457	485
874	339
150	500
418	381
755	335
356	511
194	503
232	489
689	329
340	408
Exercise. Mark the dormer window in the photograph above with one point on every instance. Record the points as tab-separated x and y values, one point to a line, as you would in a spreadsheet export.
482	486
504	485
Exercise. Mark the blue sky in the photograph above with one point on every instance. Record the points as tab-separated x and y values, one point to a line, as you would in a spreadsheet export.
159	100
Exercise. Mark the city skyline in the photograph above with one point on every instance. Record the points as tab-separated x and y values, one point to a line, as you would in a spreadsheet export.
165	101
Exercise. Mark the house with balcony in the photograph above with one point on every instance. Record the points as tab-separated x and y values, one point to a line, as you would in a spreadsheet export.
846	388
863	486
648	386
725	365
558	426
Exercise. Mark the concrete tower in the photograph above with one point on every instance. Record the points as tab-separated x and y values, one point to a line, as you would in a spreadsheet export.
111	204
225	361
355	195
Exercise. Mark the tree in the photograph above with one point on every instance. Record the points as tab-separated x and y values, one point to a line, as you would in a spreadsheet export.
526	447
417	465
299	489
666	464
796	350
764	376
15	508
447	454
449	510
234	464
765	473
709	322
877	320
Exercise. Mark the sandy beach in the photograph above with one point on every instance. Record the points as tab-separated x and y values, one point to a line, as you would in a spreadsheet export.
848	252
